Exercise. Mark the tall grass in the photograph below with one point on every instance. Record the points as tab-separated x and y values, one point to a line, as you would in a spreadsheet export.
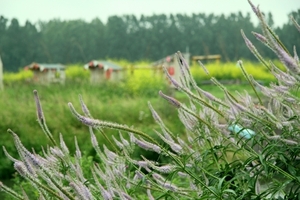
112	101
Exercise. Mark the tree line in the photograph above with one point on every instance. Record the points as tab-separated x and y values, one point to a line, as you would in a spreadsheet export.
132	38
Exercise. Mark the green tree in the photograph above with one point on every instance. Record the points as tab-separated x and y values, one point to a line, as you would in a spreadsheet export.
3	42
149	37
31	43
13	46
116	45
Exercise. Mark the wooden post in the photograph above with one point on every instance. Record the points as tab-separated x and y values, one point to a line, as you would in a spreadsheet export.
1	75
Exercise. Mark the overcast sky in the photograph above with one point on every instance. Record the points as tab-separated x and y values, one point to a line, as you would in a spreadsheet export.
45	10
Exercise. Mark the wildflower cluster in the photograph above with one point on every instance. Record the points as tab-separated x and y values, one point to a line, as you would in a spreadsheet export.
240	147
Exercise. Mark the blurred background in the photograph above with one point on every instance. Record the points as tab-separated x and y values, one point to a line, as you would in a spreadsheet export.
74	31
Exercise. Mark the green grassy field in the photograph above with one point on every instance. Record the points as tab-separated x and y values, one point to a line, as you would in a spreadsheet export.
124	103
106	102
18	113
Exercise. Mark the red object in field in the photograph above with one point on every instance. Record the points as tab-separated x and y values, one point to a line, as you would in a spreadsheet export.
108	73
171	71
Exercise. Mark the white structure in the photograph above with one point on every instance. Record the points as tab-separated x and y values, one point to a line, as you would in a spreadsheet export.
1	75
102	71
45	73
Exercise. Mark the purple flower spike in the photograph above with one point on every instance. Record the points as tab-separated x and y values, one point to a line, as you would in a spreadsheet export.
173	101
154	113
287	60
147	145
248	42
260	37
84	107
21	168
255	10
39	110
85	120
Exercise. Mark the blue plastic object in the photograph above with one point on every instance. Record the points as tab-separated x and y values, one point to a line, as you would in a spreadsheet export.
243	132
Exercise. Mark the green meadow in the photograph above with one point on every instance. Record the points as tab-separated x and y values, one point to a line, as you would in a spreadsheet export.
124	102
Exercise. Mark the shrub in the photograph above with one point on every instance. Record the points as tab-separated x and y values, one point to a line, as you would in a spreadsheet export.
77	73
241	147
20	77
231	72
141	80
144	82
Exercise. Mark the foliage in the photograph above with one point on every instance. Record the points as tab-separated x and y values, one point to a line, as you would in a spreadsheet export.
145	81
231	72
242	147
141	79
77	73
20	77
